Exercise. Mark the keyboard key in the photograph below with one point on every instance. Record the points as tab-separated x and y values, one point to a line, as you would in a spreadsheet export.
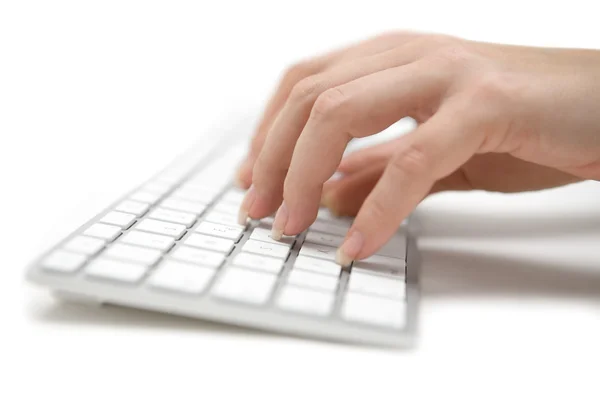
160	227
145	197
103	231
200	195
222	218
84	245
318	250
324	238
226	208
198	256
332	229
395	247
183	205
210	190
133	254
264	235
317	265
378	285
305	301
234	196
224	231
63	261
122	271
180	277
313	280
266	249
124	220
374	310
210	243
254	261
133	207
177	217
383	265
145	239
159	188
245	285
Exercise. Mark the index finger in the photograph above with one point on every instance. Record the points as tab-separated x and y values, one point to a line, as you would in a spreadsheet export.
359	108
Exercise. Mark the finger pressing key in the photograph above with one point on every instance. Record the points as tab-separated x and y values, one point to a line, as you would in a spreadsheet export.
359	108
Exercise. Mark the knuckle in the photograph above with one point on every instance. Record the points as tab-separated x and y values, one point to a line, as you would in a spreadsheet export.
489	87
439	40
453	53
378	210
306	89
331	102
298	71
412	160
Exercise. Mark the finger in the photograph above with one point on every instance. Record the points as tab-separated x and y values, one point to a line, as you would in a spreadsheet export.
359	108
435	150
274	160
344	197
301	71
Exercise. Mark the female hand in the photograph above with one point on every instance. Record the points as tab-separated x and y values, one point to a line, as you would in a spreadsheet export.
528	105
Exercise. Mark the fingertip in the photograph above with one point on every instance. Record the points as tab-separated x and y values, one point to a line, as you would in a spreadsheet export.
243	177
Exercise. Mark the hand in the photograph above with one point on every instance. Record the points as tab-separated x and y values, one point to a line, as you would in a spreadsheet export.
494	172
536	105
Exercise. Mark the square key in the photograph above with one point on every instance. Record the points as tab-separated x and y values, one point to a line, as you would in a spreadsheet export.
266	249
390	313
324	238
312	280
222	219
181	277
224	231
318	251
317	265
306	301
264	235
124	220
161	227
177	217
202	257
103	231
377	285
116	270
258	262
133	207
209	242
63	261
84	245
245	286
139	238
381	264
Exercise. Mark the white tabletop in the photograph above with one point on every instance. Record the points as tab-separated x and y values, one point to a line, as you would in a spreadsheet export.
96	97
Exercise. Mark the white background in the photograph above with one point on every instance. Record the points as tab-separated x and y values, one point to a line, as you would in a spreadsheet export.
95	95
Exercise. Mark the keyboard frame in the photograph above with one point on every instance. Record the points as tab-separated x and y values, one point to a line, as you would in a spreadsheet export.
265	317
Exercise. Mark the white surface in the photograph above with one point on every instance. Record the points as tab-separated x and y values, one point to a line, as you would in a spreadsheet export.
504	315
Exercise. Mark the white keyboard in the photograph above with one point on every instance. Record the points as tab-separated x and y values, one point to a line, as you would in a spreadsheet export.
174	245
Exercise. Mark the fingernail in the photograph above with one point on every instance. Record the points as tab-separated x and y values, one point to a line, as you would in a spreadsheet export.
246	205
280	221
349	249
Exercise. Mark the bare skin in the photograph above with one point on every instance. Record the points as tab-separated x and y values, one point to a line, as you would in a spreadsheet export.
491	117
